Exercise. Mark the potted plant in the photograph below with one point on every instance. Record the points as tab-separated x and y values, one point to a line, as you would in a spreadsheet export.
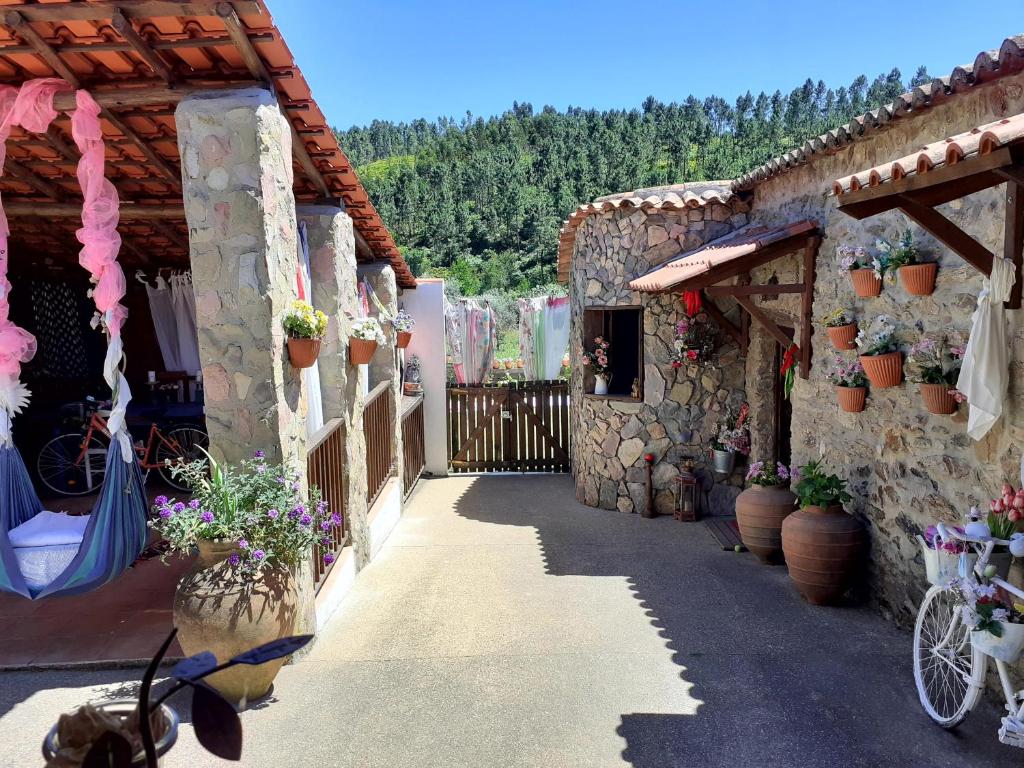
942	556
413	376
363	340
842	330
254	529
918	278
850	384
882	360
935	367
1004	520
865	273
403	324
762	507
597	360
997	625
305	327
731	437
823	545
695	341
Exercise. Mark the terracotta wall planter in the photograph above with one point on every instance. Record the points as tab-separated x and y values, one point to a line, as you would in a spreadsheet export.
760	511
919	279
303	352
851	399
360	351
824	549
403	339
883	370
865	283
936	399
842	336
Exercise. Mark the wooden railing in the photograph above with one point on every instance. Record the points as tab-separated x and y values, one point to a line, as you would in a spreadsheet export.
379	430
325	468
413	451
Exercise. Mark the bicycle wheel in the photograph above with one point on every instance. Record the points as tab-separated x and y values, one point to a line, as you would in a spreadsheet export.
181	443
64	470
948	670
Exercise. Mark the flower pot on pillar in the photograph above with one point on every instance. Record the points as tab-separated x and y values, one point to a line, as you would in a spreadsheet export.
303	352
824	549
760	510
883	370
865	282
919	279
936	399
851	399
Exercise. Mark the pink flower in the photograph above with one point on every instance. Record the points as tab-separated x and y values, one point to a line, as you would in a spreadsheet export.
1007	500
1006	489
998	506
1014	515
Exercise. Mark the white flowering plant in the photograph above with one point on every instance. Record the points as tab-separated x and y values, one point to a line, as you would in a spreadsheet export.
852	257
367	329
879	338
901	254
403	322
932	361
984	608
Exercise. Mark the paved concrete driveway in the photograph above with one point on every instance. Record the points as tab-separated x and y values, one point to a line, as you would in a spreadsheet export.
503	624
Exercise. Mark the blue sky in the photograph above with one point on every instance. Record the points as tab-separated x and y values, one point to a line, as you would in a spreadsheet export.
403	59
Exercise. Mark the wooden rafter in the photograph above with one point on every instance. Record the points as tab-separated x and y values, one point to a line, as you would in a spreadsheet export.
769	325
948	233
725	323
754	290
143	9
1013	237
124	28
126	212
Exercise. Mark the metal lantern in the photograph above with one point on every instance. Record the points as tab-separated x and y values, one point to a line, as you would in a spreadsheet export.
688	494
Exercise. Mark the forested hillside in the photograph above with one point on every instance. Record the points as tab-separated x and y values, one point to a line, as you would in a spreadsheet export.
480	201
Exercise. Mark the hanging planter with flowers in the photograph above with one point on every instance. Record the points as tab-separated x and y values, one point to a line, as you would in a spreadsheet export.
365	337
731	438
917	277
597	360
305	327
942	556
865	273
403	324
882	361
850	384
696	338
935	367
842	330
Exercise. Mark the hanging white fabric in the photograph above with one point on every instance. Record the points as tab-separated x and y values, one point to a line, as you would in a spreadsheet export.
162	311
311	375
985	374
543	335
556	335
472	336
183	302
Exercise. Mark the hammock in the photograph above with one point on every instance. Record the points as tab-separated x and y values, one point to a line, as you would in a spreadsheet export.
116	532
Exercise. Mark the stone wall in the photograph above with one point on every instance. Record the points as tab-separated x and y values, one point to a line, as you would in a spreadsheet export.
679	407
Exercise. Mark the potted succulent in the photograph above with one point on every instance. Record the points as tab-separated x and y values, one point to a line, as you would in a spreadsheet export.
254	529
305	327
403	324
598	361
935	367
731	437
917	277
363	340
762	507
842	330
695	341
850	384
882	360
865	273
823	545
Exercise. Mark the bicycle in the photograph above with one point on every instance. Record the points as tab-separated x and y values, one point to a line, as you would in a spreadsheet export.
75	464
949	670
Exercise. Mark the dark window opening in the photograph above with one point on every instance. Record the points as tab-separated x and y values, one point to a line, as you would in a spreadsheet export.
783	413
623	327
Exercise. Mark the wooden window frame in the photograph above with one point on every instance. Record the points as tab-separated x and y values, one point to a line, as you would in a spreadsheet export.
588	336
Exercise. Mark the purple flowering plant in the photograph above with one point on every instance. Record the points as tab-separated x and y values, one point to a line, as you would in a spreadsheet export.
258	505
768	474
847	373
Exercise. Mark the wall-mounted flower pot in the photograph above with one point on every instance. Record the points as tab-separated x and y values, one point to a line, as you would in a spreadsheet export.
760	511
724	462
936	399
403	339
303	352
851	399
824	549
865	282
360	351
842	336
883	370
919	279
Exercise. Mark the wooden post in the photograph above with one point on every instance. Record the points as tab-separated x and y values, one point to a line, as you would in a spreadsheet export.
807	304
1013	237
649	508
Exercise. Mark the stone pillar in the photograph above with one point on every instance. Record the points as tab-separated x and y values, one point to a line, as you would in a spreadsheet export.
236	155
332	263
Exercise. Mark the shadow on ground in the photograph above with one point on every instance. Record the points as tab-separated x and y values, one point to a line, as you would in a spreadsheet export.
782	683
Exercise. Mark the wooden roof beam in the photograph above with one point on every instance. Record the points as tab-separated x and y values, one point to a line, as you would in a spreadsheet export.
948	233
114	46
124	28
136	9
127	211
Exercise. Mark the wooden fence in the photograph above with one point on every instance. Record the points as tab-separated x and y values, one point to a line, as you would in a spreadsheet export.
413	448
325	468
379	430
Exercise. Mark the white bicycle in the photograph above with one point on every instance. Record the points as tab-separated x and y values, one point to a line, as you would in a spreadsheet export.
949	670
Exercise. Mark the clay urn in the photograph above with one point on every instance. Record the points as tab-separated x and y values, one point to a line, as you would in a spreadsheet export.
937	399
824	549
883	371
760	510
851	399
360	351
865	282
842	336
303	352
403	339
919	279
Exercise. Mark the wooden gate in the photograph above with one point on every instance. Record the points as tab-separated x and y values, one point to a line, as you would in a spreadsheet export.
512	427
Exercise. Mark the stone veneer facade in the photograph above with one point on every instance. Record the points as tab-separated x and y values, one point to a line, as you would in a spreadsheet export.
906	467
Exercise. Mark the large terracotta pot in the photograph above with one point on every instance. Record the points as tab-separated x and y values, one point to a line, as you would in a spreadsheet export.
303	352
219	611
824	549
865	283
851	399
760	511
883	370
919	279
360	351
936	399
842	336
402	339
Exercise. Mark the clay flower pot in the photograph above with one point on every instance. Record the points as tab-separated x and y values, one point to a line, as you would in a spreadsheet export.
919	279
824	549
865	283
842	336
217	610
936	399
883	370
303	352
851	399
164	722
760	511
360	351
403	339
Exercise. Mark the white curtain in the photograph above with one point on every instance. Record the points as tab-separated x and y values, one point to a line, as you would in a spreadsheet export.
172	305
162	312
311	375
543	335
472	336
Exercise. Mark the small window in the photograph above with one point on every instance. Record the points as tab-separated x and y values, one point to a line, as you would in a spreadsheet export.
623	327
